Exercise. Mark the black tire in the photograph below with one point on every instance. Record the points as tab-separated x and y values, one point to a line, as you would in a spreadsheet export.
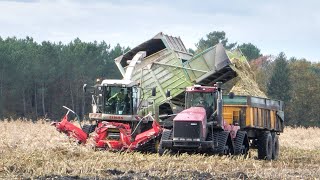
149	147
241	143
265	144
88	128
166	135
221	144
275	146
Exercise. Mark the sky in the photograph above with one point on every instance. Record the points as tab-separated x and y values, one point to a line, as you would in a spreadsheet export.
274	26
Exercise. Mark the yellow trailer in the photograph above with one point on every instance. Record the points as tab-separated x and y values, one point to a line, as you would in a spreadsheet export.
253	112
261	118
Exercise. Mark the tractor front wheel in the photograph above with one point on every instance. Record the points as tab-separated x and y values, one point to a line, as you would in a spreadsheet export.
166	134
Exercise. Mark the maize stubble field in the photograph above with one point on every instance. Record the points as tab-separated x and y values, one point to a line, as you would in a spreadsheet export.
38	151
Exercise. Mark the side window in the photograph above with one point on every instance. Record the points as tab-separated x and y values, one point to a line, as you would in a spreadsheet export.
210	99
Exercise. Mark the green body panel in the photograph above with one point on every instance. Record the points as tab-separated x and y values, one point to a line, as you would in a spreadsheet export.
173	70
236	54
162	76
168	66
236	100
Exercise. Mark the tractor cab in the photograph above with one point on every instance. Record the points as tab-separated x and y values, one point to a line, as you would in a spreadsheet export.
201	96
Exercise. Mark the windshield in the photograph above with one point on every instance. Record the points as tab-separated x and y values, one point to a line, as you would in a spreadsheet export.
206	100
119	100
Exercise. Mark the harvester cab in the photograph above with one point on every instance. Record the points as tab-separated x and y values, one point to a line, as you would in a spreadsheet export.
115	97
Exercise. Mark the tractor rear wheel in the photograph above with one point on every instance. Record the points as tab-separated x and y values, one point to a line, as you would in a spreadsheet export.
275	146
241	143
265	144
222	143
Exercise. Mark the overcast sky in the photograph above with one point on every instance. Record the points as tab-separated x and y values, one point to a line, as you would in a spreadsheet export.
273	26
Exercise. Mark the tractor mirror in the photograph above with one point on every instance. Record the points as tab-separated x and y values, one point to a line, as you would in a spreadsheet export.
84	88
154	91
168	93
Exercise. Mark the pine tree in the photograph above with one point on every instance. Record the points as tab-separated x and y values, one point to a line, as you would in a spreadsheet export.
279	86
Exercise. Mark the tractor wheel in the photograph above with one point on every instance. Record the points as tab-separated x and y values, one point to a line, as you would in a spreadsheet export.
166	134
88	128
275	146
241	143
221	144
265	144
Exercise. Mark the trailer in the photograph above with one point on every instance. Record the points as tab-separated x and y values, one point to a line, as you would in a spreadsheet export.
261	118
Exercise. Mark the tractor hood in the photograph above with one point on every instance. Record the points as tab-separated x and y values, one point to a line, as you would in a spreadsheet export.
191	114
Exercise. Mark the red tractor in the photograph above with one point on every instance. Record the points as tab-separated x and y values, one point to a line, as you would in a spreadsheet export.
201	128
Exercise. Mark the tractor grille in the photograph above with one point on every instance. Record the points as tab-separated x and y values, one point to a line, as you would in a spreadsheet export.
186	129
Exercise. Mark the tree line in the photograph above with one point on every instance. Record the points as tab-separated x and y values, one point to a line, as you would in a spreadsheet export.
36	79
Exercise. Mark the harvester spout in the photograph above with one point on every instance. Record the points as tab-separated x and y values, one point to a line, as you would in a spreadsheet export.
138	57
118	63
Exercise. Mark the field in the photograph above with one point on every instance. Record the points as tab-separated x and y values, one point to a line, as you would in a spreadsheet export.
37	150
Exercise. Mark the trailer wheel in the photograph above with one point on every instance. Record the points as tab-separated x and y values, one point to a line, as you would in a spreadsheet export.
275	146
166	134
241	143
265	144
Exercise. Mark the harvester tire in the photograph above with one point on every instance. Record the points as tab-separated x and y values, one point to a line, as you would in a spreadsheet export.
275	146
166	134
88	128
265	144
241	143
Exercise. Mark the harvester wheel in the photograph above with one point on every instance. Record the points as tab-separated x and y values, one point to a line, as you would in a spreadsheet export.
241	143
151	146
166	134
275	146
265	146
88	128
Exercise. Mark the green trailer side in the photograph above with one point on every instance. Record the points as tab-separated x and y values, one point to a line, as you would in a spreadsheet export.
168	66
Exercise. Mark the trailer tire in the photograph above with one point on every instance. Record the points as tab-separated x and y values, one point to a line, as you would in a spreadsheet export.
265	145
166	134
275	146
